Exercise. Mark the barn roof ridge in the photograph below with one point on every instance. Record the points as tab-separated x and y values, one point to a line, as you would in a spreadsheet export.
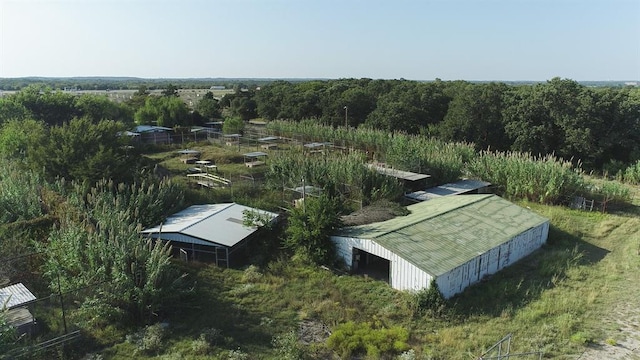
416	217
431	216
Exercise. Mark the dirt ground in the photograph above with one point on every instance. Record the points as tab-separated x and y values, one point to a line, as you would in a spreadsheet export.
626	335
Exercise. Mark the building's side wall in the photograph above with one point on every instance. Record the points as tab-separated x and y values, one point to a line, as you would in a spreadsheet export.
403	275
456	280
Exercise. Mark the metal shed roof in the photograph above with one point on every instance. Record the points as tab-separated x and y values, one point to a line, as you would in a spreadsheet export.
454	188
444	233
315	145
212	224
188	152
399	174
15	295
151	128
255	154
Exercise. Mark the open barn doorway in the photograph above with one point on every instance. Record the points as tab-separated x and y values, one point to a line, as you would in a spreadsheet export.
370	265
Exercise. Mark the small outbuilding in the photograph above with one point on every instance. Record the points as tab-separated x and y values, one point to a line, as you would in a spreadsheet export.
214	232
256	158
454	240
15	299
460	187
154	134
410	180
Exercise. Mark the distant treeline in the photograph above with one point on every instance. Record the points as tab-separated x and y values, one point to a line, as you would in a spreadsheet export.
125	83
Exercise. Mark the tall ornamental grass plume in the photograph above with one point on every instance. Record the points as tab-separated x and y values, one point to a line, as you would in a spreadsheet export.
547	179
147	203
336	174
113	273
19	193
443	161
632	174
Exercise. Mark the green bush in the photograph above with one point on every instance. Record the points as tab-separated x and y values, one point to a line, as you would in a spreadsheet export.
632	173
287	346
352	338
430	299
149	340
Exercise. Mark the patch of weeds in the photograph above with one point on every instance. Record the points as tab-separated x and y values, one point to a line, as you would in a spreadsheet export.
287	346
581	338
149	340
266	321
237	355
241	290
200	346
251	274
407	355
611	342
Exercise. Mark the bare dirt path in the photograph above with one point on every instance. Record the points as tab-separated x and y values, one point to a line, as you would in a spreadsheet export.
624	341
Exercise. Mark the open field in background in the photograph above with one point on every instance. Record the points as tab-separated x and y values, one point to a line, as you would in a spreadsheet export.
189	96
576	298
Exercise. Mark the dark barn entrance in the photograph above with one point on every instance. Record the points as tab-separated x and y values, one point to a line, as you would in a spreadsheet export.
370	265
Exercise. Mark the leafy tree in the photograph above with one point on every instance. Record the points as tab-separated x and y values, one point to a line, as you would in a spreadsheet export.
99	108
244	107
395	115
310	227
163	111
54	108
11	109
475	116
430	300
233	125
16	136
171	90
82	150
138	99
208	107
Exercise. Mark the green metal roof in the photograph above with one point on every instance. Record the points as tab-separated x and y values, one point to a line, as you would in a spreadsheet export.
444	233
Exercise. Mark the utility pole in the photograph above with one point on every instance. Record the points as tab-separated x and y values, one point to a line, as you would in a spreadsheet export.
346	118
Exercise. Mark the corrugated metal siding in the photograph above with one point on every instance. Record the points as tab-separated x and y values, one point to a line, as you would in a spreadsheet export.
403	275
456	280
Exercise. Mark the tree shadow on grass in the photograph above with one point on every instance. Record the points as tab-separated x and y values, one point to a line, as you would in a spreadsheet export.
211	307
517	285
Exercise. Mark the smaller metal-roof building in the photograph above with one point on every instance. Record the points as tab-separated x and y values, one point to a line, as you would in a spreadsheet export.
464	186
211	231
454	240
410	179
15	299
15	295
255	158
154	134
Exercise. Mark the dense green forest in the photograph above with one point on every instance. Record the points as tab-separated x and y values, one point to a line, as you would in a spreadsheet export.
74	193
597	126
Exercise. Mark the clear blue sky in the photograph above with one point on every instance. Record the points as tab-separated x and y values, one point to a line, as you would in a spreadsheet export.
420	40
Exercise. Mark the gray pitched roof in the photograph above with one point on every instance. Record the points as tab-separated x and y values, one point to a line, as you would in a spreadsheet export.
212	224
